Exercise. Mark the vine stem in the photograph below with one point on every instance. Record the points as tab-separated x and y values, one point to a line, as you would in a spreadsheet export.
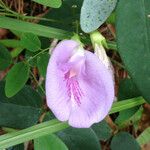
13	13
42	51
37	82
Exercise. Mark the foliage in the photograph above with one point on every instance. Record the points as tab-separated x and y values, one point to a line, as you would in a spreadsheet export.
24	56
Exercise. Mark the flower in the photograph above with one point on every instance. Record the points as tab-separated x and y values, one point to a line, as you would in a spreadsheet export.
79	87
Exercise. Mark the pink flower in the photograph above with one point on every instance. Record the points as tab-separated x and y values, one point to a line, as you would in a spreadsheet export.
79	87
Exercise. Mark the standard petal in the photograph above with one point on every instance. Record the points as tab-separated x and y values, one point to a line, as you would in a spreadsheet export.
64	51
56	91
97	86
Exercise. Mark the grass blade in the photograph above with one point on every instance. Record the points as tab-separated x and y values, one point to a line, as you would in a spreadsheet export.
144	137
126	104
33	132
22	26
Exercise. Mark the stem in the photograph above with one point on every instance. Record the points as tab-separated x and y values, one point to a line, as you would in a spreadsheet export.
111	45
7	14
2	10
8	9
77	27
117	63
2	4
13	13
42	51
39	18
37	82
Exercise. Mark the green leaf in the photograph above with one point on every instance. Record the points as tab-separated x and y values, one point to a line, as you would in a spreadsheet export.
11	43
26	27
28	96
144	137
65	17
5	58
54	125
133	39
49	3
94	13
31	42
16	78
20	116
112	18
17	147
15	52
124	141
127	89
79	139
49	142
125	115
25	108
42	62
16	33
102	130
16	116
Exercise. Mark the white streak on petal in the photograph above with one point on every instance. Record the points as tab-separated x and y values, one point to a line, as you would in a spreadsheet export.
101	53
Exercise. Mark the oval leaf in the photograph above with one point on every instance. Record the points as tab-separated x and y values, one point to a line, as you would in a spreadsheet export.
49	142
80	139
124	141
64	15
25	108
133	34
31	42
42	62
50	3
102	130
28	96
5	58
16	78
17	147
95	12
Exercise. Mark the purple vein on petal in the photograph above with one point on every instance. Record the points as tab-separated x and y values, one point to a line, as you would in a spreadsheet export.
73	88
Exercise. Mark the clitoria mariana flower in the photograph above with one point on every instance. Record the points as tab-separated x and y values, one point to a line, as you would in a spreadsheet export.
79	87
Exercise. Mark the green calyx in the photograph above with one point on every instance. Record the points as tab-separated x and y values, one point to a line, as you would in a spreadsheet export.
76	38
98	38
